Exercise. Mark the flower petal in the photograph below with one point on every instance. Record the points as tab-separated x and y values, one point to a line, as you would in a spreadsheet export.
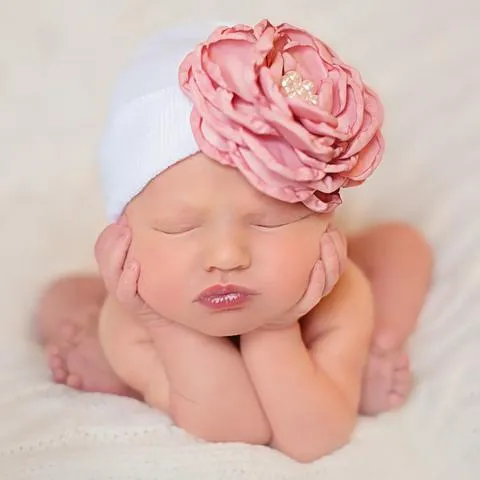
273	97
246	115
351	118
207	140
309	63
323	129
230	64
267	183
302	37
314	113
279	157
371	123
213	114
298	137
338	78
323	203
368	159
286	147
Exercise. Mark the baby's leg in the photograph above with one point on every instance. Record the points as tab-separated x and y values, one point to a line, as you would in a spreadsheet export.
398	262
67	325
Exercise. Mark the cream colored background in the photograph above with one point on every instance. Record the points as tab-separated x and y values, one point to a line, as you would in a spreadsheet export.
58	60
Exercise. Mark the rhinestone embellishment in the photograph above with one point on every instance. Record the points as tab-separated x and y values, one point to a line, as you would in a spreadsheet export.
293	85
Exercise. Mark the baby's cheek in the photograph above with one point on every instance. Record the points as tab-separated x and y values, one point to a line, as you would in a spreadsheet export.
162	297
158	283
295	279
289	278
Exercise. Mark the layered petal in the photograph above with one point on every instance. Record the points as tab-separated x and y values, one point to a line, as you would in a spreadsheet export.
293	147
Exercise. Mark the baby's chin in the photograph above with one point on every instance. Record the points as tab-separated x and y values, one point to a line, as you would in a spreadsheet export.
223	325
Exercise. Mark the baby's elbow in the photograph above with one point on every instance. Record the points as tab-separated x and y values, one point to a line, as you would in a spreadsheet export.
311	453
221	430
341	434
328	440
228	433
260	435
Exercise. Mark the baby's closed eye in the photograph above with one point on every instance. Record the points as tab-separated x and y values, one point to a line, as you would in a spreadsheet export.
175	227
178	220
271	221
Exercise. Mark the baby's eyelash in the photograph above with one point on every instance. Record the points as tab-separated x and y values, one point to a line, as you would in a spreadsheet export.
279	224
275	225
175	231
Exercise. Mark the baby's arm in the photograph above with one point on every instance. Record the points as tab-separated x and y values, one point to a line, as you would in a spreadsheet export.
211	394
200	381
310	393
130	351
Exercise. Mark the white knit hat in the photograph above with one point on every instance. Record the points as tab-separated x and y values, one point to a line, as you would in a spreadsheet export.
149	129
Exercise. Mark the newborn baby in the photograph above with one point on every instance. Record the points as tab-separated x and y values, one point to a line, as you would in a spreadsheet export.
228	298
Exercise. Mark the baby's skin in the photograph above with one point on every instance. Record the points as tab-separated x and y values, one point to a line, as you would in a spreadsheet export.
322	327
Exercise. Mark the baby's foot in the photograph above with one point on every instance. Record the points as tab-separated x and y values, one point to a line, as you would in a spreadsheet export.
387	381
77	360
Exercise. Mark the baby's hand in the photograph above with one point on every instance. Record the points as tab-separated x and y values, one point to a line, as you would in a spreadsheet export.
119	273
325	274
333	256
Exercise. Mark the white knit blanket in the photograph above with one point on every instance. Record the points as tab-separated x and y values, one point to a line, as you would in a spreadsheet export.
58	60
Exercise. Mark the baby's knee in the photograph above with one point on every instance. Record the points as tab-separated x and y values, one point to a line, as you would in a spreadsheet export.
409	239
73	289
63	298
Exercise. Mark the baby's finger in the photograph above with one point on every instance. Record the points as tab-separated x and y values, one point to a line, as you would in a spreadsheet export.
331	261
314	291
106	239
112	260
127	287
340	242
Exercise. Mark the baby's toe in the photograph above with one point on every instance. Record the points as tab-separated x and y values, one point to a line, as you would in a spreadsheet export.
396	400
55	362
74	381
52	350
402	363
402	382
59	375
402	376
385	342
68	333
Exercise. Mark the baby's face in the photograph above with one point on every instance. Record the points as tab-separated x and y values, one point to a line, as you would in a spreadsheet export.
215	254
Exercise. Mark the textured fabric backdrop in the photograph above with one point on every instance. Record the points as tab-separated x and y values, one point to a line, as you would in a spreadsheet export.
58	60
